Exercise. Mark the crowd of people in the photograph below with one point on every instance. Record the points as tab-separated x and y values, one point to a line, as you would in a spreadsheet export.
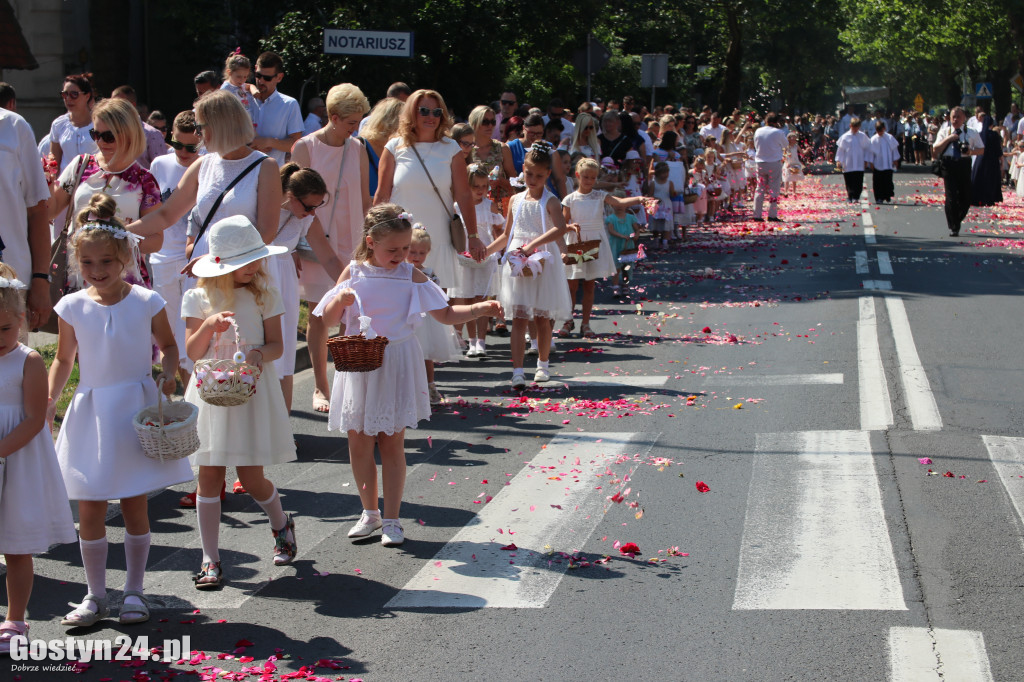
193	238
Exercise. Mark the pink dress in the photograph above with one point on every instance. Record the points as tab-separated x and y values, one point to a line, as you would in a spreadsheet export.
342	215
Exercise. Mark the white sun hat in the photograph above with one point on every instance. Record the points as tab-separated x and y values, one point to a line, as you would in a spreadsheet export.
234	243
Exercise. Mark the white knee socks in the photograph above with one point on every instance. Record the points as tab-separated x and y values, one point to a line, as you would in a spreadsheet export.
208	511
94	559
136	554
274	510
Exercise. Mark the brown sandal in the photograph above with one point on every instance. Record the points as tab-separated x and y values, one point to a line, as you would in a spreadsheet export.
210	577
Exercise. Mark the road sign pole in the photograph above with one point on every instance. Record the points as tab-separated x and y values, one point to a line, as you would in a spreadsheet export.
588	67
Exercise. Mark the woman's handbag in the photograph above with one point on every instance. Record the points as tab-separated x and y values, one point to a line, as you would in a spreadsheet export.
59	283
456	231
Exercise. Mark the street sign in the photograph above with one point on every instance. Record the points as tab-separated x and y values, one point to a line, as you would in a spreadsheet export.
368	43
983	90
654	71
1018	82
599	56
919	103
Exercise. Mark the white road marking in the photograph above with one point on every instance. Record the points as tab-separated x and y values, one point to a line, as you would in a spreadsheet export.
815	535
861	262
1007	455
875	409
866	219
605	381
869	236
471	571
772	379
878	284
884	264
924	412
924	655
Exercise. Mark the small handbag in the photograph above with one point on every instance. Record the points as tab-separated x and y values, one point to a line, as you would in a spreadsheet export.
59	283
456	231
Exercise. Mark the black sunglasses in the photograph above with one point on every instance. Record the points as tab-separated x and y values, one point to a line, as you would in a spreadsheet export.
70	94
265	76
436	113
106	136
508	102
489	122
310	209
190	148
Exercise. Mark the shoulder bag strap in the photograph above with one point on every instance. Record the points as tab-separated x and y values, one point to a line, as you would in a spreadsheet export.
83	161
416	152
337	188
216	204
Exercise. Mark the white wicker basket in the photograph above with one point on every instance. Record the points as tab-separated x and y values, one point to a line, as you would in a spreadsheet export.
167	430
227	383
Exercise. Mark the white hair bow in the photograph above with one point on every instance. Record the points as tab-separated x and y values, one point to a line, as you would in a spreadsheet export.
12	284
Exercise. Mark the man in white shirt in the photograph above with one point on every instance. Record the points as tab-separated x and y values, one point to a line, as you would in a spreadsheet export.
955	144
557	110
769	146
715	128
885	152
844	122
24	231
974	123
1020	129
1012	118
277	119
317	117
853	153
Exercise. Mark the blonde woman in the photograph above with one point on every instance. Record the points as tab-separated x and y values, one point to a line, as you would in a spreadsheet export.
380	126
584	142
490	152
343	163
420	158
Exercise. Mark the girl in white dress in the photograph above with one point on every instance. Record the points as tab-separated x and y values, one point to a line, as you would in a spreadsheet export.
794	171
231	312
377	407
34	511
236	79
304	192
111	325
662	189
474	280
437	341
585	207
544	296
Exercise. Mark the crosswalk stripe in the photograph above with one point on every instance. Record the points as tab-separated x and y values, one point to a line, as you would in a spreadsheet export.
861	262
746	379
924	655
625	381
917	392
884	263
875	409
1007	455
815	535
878	284
472	571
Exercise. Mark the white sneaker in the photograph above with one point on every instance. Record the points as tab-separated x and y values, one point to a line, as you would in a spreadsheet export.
531	350
366	525
541	375
481	352
392	534
473	352
435	395
518	380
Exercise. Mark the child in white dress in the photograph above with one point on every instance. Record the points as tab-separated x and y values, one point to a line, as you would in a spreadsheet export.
585	207
234	311
34	511
794	170
544	296
304	191
236	79
473	279
662	189
378	406
111	325
437	341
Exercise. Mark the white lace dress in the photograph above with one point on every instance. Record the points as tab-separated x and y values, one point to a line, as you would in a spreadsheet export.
474	278
34	510
285	277
588	210
543	295
99	453
394	396
257	433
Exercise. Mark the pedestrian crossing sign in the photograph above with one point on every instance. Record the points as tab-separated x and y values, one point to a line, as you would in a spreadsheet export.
983	90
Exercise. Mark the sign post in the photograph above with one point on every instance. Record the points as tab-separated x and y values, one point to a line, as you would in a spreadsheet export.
653	73
368	43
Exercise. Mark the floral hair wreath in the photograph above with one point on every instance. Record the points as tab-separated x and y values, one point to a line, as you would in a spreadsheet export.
544	146
12	283
96	223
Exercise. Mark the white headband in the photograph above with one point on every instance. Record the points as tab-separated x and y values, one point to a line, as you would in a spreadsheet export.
12	284
118	232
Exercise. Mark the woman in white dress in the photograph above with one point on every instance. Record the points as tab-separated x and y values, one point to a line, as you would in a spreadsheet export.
69	133
422	136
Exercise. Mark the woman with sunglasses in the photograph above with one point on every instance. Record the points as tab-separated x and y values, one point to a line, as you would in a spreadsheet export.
491	153
420	158
113	171
69	133
343	163
584	142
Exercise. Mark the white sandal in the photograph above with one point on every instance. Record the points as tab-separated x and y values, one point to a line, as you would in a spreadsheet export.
139	613
83	616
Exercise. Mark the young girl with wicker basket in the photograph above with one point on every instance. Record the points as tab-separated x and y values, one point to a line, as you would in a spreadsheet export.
233	333
111	325
34	511
391	298
588	255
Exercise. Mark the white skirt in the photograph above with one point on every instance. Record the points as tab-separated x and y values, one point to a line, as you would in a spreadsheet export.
474	279
387	400
257	433
543	295
599	268
286	279
438	341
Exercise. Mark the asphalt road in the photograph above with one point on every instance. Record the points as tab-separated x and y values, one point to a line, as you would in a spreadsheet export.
800	374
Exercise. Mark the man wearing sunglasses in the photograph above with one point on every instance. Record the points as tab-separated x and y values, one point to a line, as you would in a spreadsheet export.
508	106
277	117
155	145
556	111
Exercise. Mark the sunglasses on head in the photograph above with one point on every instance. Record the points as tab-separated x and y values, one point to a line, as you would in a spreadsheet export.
265	76
190	148
199	128
106	136
436	113
310	209
508	102
70	94
489	122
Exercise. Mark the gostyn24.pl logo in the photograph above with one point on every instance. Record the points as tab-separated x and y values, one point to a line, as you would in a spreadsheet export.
122	648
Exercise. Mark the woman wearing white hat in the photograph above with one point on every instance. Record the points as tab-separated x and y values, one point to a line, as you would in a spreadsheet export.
233	313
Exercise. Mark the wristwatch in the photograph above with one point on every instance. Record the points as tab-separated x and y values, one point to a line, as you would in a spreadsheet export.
42	275
474	235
